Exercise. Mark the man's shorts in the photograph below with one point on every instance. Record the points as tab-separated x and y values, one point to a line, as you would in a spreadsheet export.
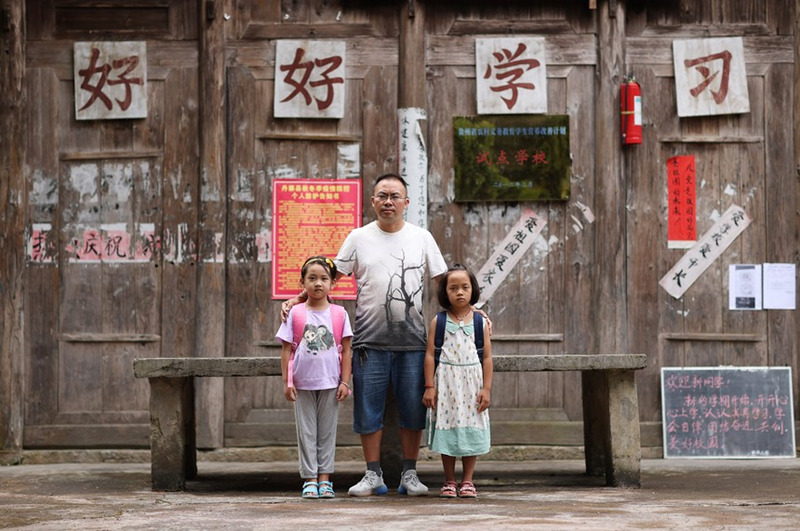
373	371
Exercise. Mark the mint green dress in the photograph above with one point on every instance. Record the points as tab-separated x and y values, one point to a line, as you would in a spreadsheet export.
455	427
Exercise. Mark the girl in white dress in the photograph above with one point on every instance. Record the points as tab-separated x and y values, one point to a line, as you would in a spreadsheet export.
458	390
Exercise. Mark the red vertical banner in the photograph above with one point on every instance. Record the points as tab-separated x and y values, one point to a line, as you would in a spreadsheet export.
681	183
311	217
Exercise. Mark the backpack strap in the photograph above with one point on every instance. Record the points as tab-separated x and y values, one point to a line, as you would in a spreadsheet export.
298	325
337	321
438	338
477	321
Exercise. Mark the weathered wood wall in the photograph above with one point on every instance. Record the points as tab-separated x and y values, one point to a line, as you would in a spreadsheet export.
200	168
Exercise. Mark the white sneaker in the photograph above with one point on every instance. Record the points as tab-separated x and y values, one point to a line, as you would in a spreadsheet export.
370	484
411	485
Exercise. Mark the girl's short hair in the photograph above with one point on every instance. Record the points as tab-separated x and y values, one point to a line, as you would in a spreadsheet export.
442	291
324	261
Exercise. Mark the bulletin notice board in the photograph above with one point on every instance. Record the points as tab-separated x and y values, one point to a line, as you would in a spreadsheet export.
311	217
728	412
511	158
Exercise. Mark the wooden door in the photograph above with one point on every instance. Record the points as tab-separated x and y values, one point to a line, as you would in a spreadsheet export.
741	159
94	304
543	305
261	148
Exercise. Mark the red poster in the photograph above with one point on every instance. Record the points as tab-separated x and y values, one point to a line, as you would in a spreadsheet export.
311	217
681	179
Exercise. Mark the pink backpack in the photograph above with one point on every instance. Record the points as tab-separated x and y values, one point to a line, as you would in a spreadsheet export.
298	326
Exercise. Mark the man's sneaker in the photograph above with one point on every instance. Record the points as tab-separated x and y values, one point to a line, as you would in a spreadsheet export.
370	484
411	485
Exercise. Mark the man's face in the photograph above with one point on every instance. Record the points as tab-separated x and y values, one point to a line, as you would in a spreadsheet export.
389	200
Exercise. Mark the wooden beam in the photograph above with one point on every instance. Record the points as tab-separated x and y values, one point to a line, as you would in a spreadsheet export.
609	294
210	316
699	336
13	205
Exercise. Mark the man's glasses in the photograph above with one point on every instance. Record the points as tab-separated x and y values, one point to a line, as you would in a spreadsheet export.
396	198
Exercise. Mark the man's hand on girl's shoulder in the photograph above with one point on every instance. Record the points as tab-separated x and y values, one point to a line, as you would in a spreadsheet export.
485	318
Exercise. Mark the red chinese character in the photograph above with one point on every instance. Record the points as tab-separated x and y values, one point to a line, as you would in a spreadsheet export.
512	68
97	90
332	63
540	157
722	93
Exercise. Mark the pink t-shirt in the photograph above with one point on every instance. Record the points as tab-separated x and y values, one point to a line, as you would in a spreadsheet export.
316	360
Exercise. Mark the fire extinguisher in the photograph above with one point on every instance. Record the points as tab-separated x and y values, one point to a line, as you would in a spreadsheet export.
631	111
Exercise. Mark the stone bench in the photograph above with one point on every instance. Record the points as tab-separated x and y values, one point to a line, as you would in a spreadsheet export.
610	408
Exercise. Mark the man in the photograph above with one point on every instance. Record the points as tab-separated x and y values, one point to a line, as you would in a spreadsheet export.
389	258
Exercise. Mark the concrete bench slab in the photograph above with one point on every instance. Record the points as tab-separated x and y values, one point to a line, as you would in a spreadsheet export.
610	408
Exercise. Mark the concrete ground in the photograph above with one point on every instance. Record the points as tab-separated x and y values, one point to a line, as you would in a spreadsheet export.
551	494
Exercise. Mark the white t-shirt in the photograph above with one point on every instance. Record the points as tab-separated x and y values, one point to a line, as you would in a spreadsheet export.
316	360
390	272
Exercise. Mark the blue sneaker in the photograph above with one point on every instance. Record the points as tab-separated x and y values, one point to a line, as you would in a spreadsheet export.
370	484
411	485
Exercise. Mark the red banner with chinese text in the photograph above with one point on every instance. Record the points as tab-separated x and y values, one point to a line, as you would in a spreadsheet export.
311	217
681	184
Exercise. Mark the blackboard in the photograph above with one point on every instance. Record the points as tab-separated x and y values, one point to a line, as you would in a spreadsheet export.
727	412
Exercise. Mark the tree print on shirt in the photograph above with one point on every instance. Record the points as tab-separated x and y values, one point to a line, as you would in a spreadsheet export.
401	291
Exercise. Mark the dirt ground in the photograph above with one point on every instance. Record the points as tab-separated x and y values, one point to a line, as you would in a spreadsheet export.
546	495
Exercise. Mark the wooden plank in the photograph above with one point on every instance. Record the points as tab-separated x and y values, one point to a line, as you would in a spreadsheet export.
308	137
206	367
567	49
553	260
608	295
782	17
647	234
210	319
93	436
41	282
309	31
528	338
781	197
120	416
109	155
13	207
265	319
82	21
80	377
721	336
39	20
578	238
161	57
184	18
263	366
241	229
89	337
707	296
180	198
657	49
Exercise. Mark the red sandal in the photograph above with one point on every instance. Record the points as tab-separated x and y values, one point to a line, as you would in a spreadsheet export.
467	490
448	490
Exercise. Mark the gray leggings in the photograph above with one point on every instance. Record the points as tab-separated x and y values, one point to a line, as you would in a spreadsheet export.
316	414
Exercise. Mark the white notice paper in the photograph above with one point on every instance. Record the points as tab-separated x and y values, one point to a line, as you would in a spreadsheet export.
779	287
744	287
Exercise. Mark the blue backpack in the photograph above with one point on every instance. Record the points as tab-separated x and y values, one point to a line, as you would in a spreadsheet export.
438	338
